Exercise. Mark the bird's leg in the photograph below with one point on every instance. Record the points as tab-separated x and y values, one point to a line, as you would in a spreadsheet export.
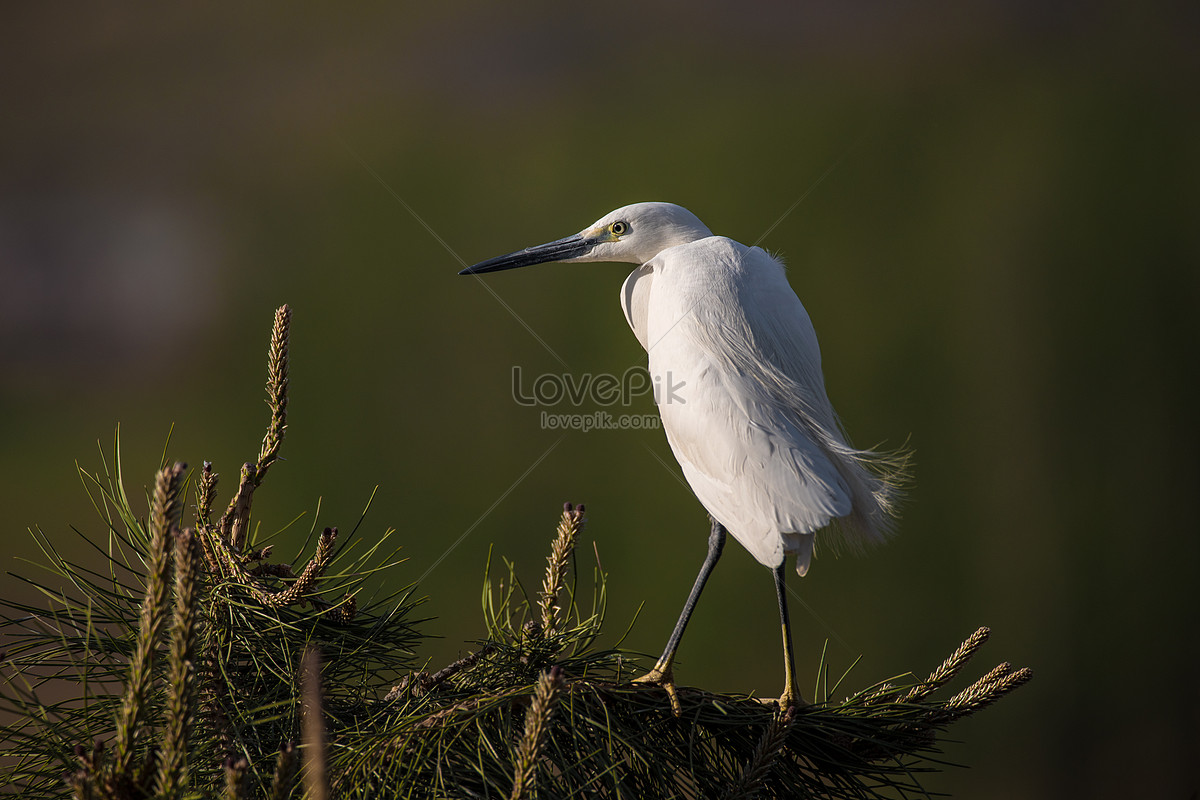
791	694
662	674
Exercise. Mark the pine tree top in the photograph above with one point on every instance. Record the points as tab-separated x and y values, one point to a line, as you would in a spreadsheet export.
194	665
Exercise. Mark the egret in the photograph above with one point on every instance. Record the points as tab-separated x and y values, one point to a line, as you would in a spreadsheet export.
751	425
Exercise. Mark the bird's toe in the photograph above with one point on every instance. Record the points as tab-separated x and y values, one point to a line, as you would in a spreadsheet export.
666	679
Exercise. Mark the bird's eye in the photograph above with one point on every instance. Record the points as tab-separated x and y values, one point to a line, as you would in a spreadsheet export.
619	228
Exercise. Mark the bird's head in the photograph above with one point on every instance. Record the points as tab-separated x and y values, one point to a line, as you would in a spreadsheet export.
635	233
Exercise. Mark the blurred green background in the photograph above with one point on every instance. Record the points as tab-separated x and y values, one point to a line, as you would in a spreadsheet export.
1002	267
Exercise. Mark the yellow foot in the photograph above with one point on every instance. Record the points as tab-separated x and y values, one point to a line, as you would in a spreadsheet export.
791	699
665	679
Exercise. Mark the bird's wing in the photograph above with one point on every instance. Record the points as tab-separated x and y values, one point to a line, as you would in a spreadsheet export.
755	432
635	299
749	465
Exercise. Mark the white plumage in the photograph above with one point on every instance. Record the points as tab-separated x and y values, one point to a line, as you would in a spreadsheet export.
750	422
752	427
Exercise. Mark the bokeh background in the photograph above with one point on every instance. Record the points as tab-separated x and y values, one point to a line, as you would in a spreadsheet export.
1001	261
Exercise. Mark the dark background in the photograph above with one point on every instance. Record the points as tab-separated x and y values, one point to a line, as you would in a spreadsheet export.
1002	267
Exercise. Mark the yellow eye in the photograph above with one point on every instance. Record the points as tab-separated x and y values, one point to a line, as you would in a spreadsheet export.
619	228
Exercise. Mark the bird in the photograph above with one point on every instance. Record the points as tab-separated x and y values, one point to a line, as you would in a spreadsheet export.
751	424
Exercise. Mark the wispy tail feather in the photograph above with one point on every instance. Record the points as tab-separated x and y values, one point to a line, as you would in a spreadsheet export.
876	480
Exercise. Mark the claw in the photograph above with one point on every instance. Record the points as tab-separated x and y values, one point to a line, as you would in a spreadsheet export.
665	679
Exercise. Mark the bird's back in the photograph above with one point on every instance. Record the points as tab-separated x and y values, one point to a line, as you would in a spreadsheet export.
750	422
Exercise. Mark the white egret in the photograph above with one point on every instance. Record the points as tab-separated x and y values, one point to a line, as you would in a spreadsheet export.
751	425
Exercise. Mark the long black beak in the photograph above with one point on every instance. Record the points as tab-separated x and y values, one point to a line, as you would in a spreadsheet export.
560	250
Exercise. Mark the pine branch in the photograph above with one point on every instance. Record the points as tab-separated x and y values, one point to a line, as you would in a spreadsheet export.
769	748
106	628
233	569
561	550
316	784
624	740
234	524
181	677
235	778
990	688
537	721
277	393
206	495
164	514
285	772
950	667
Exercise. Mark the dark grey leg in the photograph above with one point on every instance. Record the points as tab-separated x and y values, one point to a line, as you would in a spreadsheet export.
716	543
661	674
